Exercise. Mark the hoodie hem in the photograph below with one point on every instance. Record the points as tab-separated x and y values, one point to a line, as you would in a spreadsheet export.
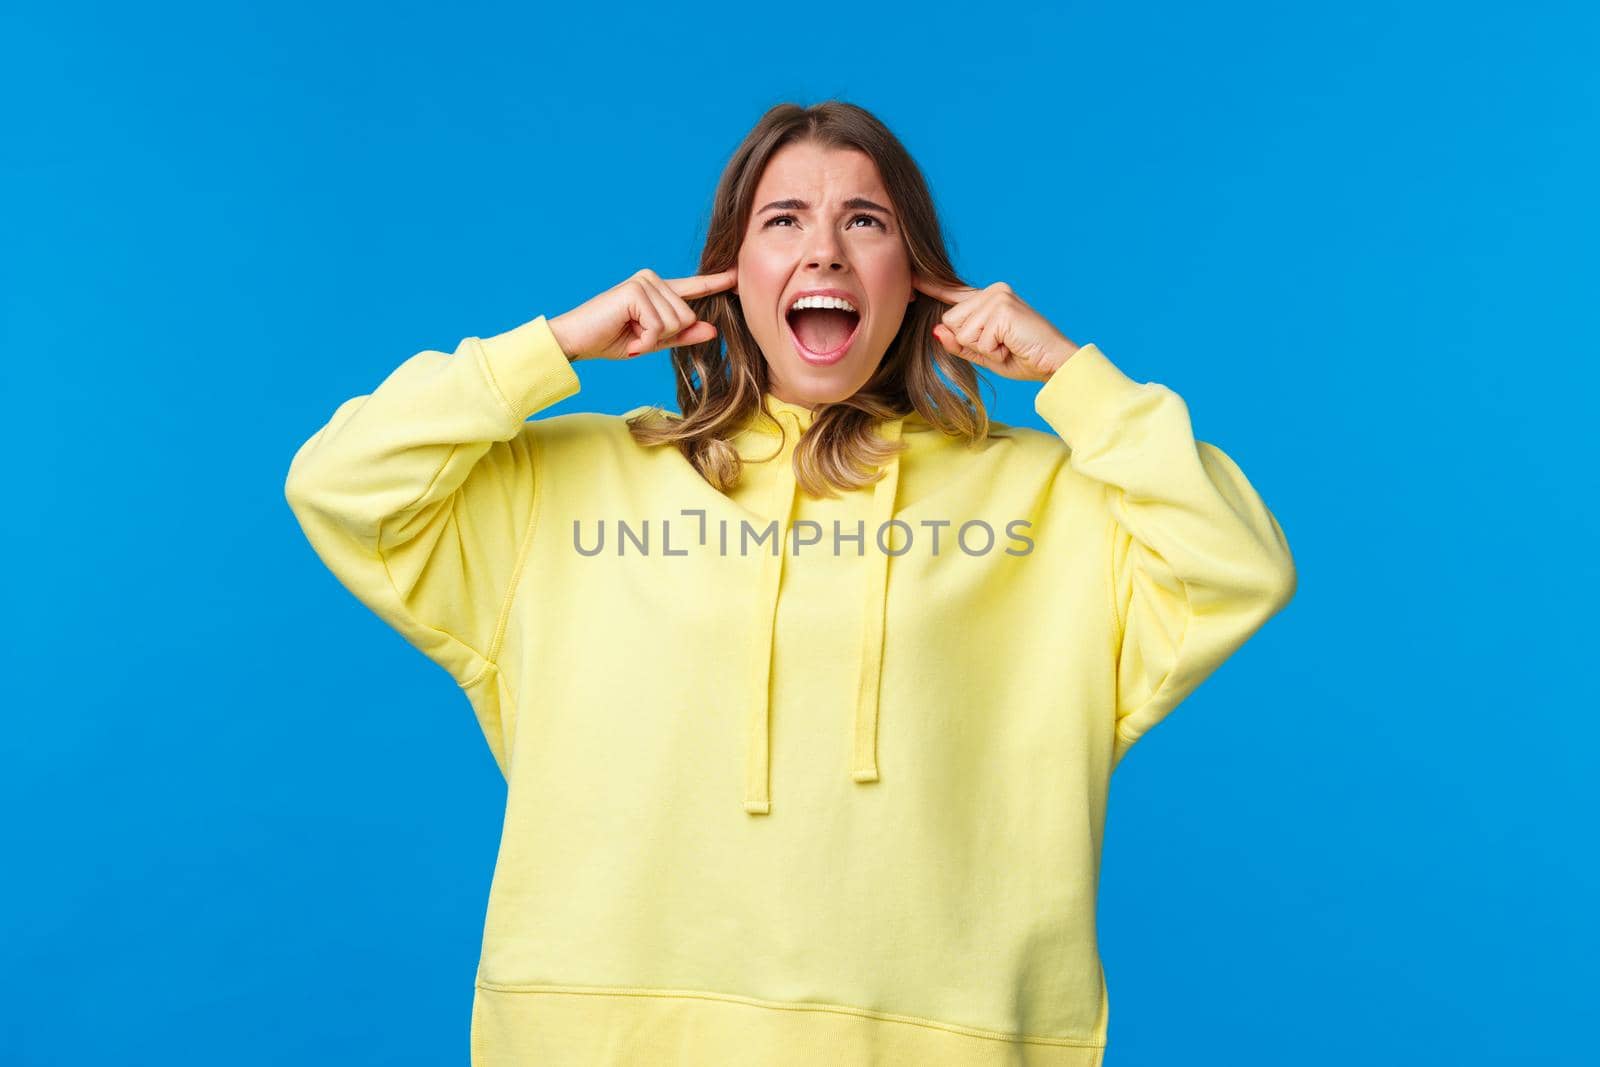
576	1024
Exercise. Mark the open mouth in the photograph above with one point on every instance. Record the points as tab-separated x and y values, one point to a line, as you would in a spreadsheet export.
823	335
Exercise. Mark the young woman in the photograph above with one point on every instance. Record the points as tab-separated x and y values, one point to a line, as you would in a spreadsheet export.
808	694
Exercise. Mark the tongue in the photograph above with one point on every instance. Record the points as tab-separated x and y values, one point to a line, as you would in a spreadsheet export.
822	329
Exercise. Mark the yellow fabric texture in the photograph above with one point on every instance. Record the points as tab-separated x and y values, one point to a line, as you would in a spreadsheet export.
837	803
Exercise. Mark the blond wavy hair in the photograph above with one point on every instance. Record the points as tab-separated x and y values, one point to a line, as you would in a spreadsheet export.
718	391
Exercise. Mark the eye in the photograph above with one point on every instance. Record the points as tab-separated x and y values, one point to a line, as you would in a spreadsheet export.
870	218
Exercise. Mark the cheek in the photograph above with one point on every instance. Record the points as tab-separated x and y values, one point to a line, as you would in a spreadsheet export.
760	285
889	288
888	268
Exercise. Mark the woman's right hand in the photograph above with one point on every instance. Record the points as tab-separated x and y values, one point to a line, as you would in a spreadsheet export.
639	315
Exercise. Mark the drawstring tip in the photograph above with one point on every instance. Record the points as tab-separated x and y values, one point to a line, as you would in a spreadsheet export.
757	807
868	775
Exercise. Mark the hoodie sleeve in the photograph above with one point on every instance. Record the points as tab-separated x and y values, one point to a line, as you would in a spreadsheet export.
1198	564
419	496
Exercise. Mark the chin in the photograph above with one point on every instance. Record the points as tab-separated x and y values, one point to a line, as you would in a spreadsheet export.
810	384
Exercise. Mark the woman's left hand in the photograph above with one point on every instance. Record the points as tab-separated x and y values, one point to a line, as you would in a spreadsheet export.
995	328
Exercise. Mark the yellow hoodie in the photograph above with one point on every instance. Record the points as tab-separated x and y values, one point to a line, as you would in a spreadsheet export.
834	804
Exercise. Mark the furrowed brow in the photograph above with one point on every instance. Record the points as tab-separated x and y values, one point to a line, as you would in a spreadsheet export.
855	203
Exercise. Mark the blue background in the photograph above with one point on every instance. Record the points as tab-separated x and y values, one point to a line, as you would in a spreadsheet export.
248	824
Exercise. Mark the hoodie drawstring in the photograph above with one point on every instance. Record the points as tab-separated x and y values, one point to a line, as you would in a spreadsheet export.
757	800
864	750
872	630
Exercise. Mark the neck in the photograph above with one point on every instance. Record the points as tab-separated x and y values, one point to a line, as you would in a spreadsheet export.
774	394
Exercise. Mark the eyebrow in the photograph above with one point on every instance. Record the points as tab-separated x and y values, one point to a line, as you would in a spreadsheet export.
854	202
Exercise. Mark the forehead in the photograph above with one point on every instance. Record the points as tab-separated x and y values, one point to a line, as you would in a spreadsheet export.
812	172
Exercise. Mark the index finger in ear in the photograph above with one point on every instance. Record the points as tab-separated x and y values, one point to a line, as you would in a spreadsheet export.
701	284
950	294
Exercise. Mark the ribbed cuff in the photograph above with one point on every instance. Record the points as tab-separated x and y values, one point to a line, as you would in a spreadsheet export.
1077	397
527	367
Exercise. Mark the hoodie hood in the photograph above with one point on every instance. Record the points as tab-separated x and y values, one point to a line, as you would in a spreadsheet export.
767	447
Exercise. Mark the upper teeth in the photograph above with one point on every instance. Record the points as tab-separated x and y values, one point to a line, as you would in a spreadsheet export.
823	302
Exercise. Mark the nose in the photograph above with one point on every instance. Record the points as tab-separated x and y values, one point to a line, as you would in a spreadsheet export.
825	250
